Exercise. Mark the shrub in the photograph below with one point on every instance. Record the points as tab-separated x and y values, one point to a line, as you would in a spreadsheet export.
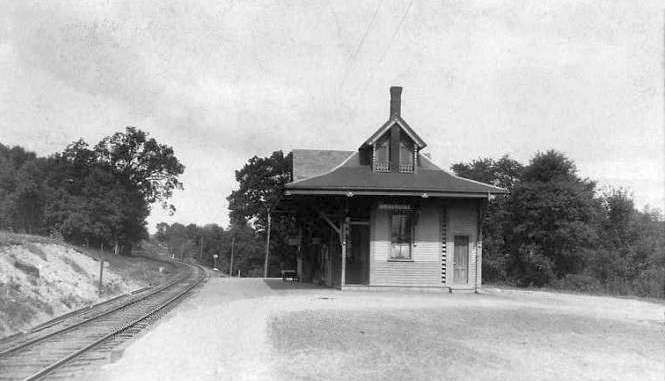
579	282
536	269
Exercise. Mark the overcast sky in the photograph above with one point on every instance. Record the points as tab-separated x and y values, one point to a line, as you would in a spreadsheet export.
225	80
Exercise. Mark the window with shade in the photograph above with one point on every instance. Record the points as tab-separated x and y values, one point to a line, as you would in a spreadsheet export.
382	155
401	235
406	157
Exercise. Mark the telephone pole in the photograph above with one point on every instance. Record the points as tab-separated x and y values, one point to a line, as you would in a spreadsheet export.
265	266
233	242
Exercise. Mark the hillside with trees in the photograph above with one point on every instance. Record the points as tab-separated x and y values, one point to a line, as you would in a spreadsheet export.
95	196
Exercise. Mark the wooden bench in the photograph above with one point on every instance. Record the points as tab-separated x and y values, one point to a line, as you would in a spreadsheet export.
291	275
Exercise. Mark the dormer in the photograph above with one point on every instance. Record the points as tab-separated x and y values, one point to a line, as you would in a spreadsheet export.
394	146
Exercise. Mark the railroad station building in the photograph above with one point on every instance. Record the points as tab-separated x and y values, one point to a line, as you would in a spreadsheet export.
384	215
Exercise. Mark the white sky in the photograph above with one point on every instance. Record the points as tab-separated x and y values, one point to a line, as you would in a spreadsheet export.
225	80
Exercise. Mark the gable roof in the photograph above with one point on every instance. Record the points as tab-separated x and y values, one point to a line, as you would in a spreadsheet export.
386	126
349	175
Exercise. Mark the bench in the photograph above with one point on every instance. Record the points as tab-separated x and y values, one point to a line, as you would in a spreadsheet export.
291	275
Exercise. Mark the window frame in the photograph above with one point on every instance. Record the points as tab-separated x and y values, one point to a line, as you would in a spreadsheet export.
381	166
410	215
406	145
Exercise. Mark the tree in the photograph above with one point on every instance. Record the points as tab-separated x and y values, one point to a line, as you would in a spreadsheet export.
505	173
150	168
551	212
261	184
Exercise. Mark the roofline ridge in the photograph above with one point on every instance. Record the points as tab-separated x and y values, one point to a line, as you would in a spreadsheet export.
319	149
325	173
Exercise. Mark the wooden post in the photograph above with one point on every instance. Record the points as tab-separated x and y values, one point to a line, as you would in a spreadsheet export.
233	241
265	266
343	239
201	246
299	254
101	273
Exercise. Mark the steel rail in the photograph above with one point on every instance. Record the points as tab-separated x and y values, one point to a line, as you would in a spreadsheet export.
35	340
62	361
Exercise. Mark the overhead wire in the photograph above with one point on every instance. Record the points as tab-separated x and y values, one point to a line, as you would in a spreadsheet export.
360	44
385	52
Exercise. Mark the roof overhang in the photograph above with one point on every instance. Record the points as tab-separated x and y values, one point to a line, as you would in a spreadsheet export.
396	192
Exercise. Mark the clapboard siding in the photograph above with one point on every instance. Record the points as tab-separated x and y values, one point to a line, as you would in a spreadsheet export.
434	236
407	274
425	268
426	235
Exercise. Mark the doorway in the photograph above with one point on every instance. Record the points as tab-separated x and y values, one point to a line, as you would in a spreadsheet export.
357	255
461	260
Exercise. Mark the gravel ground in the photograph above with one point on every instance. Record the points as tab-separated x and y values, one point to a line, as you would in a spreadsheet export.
248	329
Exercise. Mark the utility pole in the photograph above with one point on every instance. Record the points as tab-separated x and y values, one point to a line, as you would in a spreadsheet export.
265	266
233	242
201	252
101	272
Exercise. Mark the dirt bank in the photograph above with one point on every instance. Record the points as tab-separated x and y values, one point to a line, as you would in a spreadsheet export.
40	279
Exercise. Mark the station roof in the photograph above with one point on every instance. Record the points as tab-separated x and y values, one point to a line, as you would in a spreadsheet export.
347	175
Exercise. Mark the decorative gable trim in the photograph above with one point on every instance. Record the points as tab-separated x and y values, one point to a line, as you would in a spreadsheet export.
386	127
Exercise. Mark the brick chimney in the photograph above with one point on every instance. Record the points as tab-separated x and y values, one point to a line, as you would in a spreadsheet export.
395	110
395	101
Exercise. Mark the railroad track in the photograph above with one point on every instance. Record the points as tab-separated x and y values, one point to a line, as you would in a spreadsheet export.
62	350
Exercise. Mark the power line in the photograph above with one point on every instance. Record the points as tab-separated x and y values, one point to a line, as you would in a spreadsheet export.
360	44
385	52
399	26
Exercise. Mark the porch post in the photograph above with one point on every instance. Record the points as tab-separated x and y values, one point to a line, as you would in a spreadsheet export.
342	237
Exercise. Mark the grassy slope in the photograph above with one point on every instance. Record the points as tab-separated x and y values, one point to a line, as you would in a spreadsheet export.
32	288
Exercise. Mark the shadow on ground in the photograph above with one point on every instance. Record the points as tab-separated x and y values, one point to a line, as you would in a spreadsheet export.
279	284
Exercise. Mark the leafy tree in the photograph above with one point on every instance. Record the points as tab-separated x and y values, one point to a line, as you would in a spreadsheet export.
99	195
505	173
261	184
150	168
552	211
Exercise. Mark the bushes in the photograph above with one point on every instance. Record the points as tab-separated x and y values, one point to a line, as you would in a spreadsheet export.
553	229
535	269
579	282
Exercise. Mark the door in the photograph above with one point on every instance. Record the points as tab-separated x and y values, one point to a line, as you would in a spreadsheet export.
357	255
461	260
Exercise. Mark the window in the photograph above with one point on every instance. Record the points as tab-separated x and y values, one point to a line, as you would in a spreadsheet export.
382	155
405	156
401	234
